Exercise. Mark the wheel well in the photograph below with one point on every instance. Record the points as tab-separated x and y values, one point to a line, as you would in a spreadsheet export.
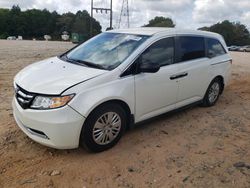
222	82
124	105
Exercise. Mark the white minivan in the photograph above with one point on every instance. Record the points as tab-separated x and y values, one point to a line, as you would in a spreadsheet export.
91	94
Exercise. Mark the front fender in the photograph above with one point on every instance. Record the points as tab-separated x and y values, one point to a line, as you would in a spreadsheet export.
121	89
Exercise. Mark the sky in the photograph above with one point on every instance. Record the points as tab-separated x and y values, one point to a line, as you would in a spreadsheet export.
187	14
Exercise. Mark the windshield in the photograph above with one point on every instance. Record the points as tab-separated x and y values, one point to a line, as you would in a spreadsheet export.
107	50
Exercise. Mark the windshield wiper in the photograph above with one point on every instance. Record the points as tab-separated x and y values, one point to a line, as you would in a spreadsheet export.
89	64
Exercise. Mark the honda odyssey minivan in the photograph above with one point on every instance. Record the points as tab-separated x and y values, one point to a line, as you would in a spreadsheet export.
91	94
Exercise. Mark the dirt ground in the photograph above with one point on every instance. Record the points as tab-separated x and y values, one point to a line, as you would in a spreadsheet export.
197	147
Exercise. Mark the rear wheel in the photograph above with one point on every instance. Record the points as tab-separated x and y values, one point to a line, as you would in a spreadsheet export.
213	93
104	127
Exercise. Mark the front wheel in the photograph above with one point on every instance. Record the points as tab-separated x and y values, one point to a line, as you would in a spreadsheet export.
104	127
213	93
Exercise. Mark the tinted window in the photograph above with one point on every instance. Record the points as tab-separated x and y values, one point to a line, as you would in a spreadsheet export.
161	52
191	48
214	48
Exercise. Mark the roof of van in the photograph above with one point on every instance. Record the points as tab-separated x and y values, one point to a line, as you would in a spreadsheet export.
160	30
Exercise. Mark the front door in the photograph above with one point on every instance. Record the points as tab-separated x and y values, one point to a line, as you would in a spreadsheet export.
156	93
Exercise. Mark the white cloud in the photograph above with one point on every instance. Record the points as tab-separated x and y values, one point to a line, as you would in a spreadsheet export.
208	11
246	18
8	4
212	11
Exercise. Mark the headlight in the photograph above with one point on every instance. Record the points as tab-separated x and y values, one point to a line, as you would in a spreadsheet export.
44	102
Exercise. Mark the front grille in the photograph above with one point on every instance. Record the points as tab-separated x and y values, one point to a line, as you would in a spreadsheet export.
24	98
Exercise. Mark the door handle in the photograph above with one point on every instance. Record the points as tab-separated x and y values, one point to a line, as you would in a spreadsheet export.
184	74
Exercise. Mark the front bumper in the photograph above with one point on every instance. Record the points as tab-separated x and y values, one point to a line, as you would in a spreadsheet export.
58	128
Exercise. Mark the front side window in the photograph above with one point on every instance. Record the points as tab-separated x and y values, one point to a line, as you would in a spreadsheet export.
161	52
107	50
214	48
191	48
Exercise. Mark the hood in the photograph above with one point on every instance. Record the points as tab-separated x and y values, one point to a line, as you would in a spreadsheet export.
53	76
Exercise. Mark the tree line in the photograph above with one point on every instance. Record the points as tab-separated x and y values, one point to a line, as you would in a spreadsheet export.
36	23
234	33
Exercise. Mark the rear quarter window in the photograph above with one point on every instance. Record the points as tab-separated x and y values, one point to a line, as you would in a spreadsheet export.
214	48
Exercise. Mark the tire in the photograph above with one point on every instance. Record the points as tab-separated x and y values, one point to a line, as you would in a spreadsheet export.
213	93
106	120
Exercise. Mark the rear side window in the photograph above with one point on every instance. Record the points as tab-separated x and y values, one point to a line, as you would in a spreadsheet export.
214	48
161	52
191	48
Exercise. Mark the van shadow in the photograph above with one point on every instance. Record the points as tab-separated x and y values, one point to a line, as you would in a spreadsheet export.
163	117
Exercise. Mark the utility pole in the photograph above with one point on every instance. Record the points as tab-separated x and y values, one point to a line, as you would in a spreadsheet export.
102	10
91	19
111	15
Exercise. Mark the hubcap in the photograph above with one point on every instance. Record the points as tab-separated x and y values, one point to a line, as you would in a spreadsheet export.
214	92
107	128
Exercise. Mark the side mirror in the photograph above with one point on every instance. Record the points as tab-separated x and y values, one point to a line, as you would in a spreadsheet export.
211	55
148	67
